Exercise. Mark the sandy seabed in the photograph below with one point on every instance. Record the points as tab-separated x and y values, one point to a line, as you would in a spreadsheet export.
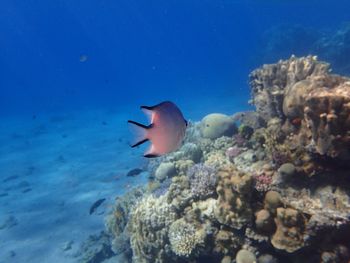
53	168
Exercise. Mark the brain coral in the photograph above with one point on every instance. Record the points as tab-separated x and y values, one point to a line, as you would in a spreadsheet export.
216	125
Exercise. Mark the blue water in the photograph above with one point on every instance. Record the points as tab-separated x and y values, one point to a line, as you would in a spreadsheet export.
73	71
139	51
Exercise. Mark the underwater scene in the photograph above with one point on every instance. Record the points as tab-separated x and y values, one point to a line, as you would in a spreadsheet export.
199	131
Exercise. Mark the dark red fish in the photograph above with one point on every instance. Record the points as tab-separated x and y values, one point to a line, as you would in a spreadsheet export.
166	131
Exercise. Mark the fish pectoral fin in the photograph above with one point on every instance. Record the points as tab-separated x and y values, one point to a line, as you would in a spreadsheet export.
149	155
140	133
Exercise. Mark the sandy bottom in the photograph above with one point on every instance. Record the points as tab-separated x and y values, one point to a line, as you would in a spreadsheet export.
53	168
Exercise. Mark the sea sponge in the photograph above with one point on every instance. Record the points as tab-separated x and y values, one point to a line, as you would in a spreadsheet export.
184	238
216	125
245	256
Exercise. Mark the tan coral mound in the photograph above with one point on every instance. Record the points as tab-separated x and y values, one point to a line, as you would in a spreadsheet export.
327	114
234	191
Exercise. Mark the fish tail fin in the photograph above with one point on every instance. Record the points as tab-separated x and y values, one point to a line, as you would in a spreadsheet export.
139	131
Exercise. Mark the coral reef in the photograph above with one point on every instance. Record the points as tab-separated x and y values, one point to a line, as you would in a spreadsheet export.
276	189
290	228
148	228
202	180
184	238
234	191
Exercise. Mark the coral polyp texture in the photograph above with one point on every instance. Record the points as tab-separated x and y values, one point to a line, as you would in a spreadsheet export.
270	185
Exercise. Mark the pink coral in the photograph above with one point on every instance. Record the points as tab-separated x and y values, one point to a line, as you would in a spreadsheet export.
262	182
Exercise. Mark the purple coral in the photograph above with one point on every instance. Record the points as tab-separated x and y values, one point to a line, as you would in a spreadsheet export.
239	140
163	188
279	157
202	180
262	182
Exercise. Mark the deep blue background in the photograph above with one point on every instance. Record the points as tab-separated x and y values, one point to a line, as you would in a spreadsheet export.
197	53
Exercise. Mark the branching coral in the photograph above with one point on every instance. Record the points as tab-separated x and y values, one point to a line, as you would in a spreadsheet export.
202	180
184	238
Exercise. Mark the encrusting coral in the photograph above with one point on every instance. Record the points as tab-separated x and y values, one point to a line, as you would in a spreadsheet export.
234	192
274	190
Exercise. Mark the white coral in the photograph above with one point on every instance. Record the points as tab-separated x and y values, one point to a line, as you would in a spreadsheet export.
183	238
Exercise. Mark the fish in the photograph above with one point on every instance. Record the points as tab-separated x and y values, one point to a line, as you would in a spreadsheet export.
96	205
83	58
134	172
166	131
